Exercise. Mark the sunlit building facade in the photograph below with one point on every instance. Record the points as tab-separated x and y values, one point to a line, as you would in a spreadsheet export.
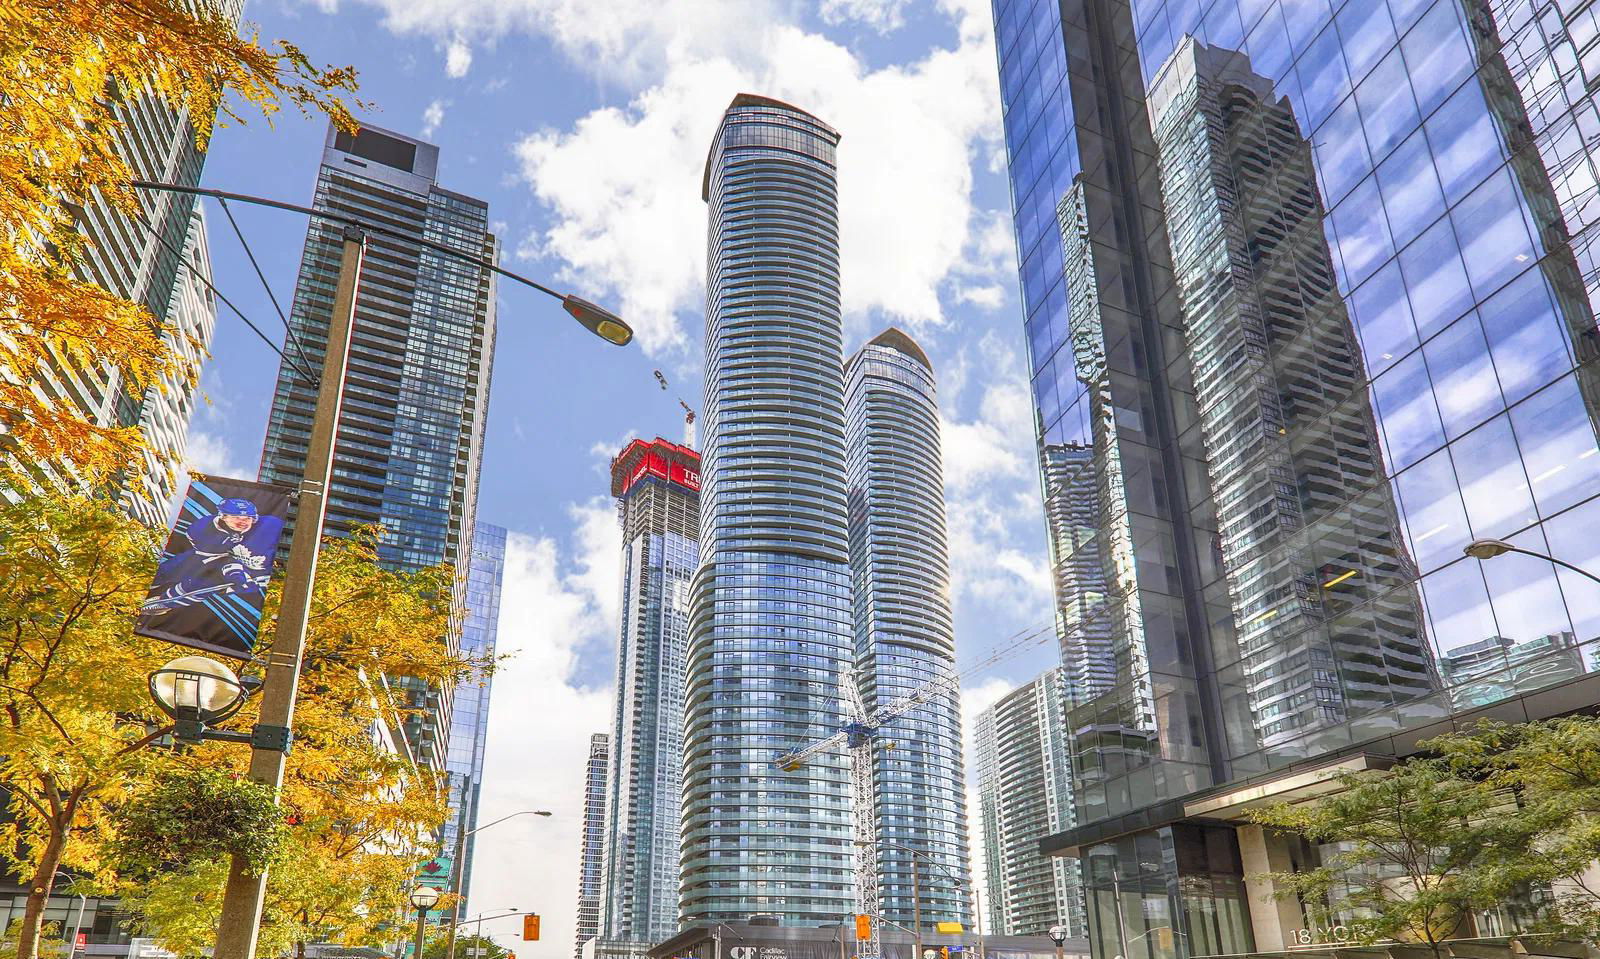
1308	289
592	848
770	635
904	634
657	487
1024	794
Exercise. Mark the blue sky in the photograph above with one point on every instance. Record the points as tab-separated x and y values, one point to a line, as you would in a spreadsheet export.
584	125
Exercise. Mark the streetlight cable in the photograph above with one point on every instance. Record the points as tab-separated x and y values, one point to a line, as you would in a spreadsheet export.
299	349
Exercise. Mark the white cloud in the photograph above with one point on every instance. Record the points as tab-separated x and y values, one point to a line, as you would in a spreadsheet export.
623	183
540	720
432	117
457	59
883	16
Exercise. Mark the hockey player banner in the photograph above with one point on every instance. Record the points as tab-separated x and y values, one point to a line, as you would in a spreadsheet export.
213	576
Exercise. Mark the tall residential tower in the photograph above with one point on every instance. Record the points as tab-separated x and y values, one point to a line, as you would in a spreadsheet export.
904	637
770	636
410	432
657	486
1025	794
591	861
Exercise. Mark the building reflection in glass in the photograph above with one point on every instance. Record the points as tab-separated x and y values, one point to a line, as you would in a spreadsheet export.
1326	616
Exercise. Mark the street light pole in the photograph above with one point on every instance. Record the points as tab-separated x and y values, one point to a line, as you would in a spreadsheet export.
245	892
458	866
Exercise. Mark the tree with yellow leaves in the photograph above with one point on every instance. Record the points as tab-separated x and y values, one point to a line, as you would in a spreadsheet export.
361	810
64	64
81	767
73	572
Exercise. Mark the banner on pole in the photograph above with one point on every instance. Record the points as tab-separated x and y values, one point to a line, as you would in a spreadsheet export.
208	590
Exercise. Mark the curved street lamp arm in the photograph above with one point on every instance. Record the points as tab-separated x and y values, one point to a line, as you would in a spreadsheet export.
1551	559
525	812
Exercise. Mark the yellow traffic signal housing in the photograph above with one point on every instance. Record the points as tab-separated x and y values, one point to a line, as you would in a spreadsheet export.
944	952
863	927
949	928
530	927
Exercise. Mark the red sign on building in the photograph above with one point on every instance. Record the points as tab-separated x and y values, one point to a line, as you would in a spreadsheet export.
661	459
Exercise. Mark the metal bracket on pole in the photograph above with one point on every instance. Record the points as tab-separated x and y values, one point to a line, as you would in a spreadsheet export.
276	738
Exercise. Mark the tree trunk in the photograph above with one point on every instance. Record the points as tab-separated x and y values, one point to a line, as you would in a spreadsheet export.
44	879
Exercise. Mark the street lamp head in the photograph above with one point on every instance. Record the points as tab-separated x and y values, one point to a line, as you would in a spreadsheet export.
197	688
1058	934
1487	548
598	320
541	812
423	898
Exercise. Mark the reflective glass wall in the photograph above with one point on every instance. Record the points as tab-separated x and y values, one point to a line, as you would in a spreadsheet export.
1309	295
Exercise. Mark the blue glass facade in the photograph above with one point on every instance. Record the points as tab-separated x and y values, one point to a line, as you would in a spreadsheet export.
899	558
410	434
770	635
469	714
1309	295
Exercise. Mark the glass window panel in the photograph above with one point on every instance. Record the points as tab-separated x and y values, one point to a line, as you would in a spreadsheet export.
1406	12
1410	189
1342	158
1367	33
1408	417
1222	27
1522	589
1526	338
1437	56
1436	525
1572	539
1466	146
1183	16
1323	80
1494	238
1387	108
1463	379
1382	316
1458	607
1303	18
1363	232
1557	438
1436	279
1268	46
1493	485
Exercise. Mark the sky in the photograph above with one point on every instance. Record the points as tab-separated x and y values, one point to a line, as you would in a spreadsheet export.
585	126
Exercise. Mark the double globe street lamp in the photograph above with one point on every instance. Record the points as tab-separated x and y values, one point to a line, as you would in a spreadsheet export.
196	693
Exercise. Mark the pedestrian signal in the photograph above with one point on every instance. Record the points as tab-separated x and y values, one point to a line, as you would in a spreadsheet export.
530	927
863	927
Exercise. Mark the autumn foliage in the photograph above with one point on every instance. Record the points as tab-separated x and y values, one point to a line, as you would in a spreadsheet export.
65	68
80	764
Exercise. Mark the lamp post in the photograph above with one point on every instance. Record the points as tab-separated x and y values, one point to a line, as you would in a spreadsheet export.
243	897
422	899
458	866
1485	549
1058	935
198	692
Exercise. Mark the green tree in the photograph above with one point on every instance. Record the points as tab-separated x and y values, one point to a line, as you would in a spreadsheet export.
467	947
1420	848
1552	768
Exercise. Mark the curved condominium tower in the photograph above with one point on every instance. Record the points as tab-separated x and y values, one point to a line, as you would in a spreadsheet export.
770	637
904	636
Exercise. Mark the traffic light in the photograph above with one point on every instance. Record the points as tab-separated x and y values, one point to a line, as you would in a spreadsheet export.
944	952
530	927
863	927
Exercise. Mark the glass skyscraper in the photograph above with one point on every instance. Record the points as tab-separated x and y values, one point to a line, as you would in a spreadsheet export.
1025	794
770	635
657	485
410	432
904	637
1309	295
469	713
591	862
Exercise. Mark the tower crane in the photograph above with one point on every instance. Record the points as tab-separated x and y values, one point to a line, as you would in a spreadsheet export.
861	727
